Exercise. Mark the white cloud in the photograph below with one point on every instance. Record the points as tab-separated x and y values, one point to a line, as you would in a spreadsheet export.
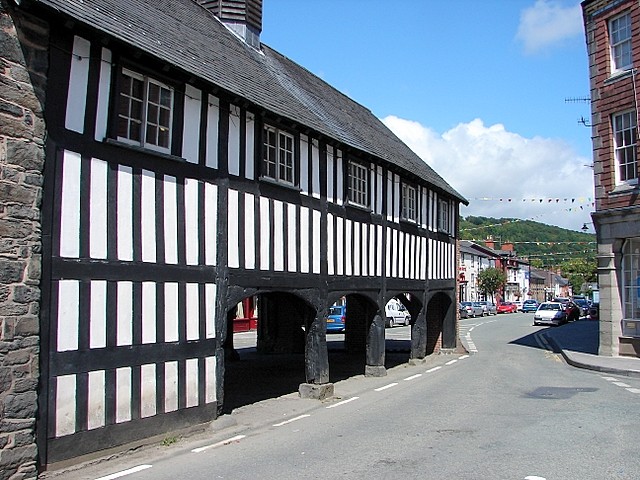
547	23
503	174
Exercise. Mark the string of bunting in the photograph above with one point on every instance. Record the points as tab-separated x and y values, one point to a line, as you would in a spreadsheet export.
538	200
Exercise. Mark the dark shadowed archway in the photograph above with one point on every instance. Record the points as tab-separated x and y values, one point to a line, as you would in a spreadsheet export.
438	327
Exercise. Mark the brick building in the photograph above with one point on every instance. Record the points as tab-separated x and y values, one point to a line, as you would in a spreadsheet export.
612	30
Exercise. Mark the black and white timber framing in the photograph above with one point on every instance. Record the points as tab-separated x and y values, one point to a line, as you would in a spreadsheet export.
147	253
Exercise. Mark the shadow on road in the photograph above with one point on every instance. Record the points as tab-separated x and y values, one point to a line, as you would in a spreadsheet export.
579	336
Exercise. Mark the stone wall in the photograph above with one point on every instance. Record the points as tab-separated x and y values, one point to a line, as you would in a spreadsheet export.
23	68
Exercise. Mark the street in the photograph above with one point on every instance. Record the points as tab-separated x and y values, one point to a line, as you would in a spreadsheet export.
511	409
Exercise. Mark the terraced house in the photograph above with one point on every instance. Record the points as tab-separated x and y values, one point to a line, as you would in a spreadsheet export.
159	166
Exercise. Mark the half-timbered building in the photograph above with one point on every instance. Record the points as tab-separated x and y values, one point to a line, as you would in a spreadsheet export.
187	167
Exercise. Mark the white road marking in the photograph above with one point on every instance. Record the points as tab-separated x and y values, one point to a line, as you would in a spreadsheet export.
139	468
291	420
533	477
413	377
463	357
343	402
633	390
433	369
386	386
620	384
219	444
610	379
451	362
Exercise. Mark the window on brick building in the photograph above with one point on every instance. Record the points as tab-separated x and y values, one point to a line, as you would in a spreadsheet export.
620	41
625	140
631	287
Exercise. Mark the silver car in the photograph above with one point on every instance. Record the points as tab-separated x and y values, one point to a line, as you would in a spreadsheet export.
550	313
473	309
488	308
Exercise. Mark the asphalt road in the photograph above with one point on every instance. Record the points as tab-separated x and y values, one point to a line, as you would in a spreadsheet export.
509	410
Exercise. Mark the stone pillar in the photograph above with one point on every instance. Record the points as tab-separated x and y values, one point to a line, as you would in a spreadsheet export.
23	70
610	312
317	360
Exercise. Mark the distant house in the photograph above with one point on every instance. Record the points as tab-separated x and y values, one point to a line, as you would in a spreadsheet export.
159	166
613	46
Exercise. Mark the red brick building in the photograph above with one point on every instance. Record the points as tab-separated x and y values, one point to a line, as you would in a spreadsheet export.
612	30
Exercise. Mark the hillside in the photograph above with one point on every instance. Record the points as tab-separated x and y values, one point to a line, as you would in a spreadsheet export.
547	244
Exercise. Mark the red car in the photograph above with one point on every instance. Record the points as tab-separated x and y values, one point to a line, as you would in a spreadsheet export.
507	307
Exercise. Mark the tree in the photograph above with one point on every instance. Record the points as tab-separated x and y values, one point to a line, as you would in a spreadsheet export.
490	280
579	272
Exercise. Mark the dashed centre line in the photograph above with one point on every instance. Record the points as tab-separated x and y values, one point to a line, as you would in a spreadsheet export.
291	420
219	444
431	370
385	387
123	473
413	377
343	402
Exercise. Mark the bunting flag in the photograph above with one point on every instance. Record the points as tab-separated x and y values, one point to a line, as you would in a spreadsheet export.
538	199
538	243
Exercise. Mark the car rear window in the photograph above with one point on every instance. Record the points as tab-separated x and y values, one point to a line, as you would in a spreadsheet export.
335	311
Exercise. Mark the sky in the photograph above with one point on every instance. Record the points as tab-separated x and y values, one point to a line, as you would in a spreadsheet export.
490	93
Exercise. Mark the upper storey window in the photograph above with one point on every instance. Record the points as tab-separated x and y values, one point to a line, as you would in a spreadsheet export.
625	140
444	225
358	184
145	111
620	41
409	202
277	160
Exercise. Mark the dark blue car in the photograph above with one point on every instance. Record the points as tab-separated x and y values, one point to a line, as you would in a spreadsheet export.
336	318
530	306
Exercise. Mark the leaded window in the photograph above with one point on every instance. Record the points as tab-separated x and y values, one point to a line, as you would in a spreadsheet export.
358	184
278	155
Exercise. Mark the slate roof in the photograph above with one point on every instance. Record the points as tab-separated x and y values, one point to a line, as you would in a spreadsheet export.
185	34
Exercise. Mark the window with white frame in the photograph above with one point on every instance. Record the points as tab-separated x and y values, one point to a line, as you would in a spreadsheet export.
409	202
625	140
631	287
145	110
277	159
620	42
358	184
443	216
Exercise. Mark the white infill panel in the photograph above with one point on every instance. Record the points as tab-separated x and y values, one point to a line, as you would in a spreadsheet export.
379	198
191	221
304	240
373	245
316	241
348	259
210	378
125	213
192	382
70	206
170	386
340	245
98	313
148	312
95	400
291	239
356	248
425	259
265	234
104	91
65	405
380	247
304	165
249	232
278	236
388	253
171	312
330	245
330	171
315	164
234	140
249	145
400	248
148	214
148	390
123	394
78	83
213	119
170	220
193	311
232	238
339	180
210	223
124	323
191	133
68	316
394	254
366	246
210	305
98	209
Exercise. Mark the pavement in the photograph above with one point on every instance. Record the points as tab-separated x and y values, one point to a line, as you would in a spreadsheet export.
578	343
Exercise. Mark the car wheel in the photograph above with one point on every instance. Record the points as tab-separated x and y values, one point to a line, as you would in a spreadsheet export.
406	321
391	322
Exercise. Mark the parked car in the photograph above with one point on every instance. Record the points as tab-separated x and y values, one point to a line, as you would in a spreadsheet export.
594	311
550	313
488	308
583	304
473	309
572	310
336	318
463	311
518	304
396	314
507	307
530	305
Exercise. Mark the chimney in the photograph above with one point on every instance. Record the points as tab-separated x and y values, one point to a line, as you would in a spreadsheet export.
244	17
507	247
489	243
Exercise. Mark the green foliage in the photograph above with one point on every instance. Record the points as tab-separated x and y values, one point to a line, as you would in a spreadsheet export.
579	272
545	246
490	280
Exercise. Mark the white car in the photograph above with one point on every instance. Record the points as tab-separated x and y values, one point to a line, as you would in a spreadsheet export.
396	314
550	313
518	305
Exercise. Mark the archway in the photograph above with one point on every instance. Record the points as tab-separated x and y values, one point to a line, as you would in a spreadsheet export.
439	324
